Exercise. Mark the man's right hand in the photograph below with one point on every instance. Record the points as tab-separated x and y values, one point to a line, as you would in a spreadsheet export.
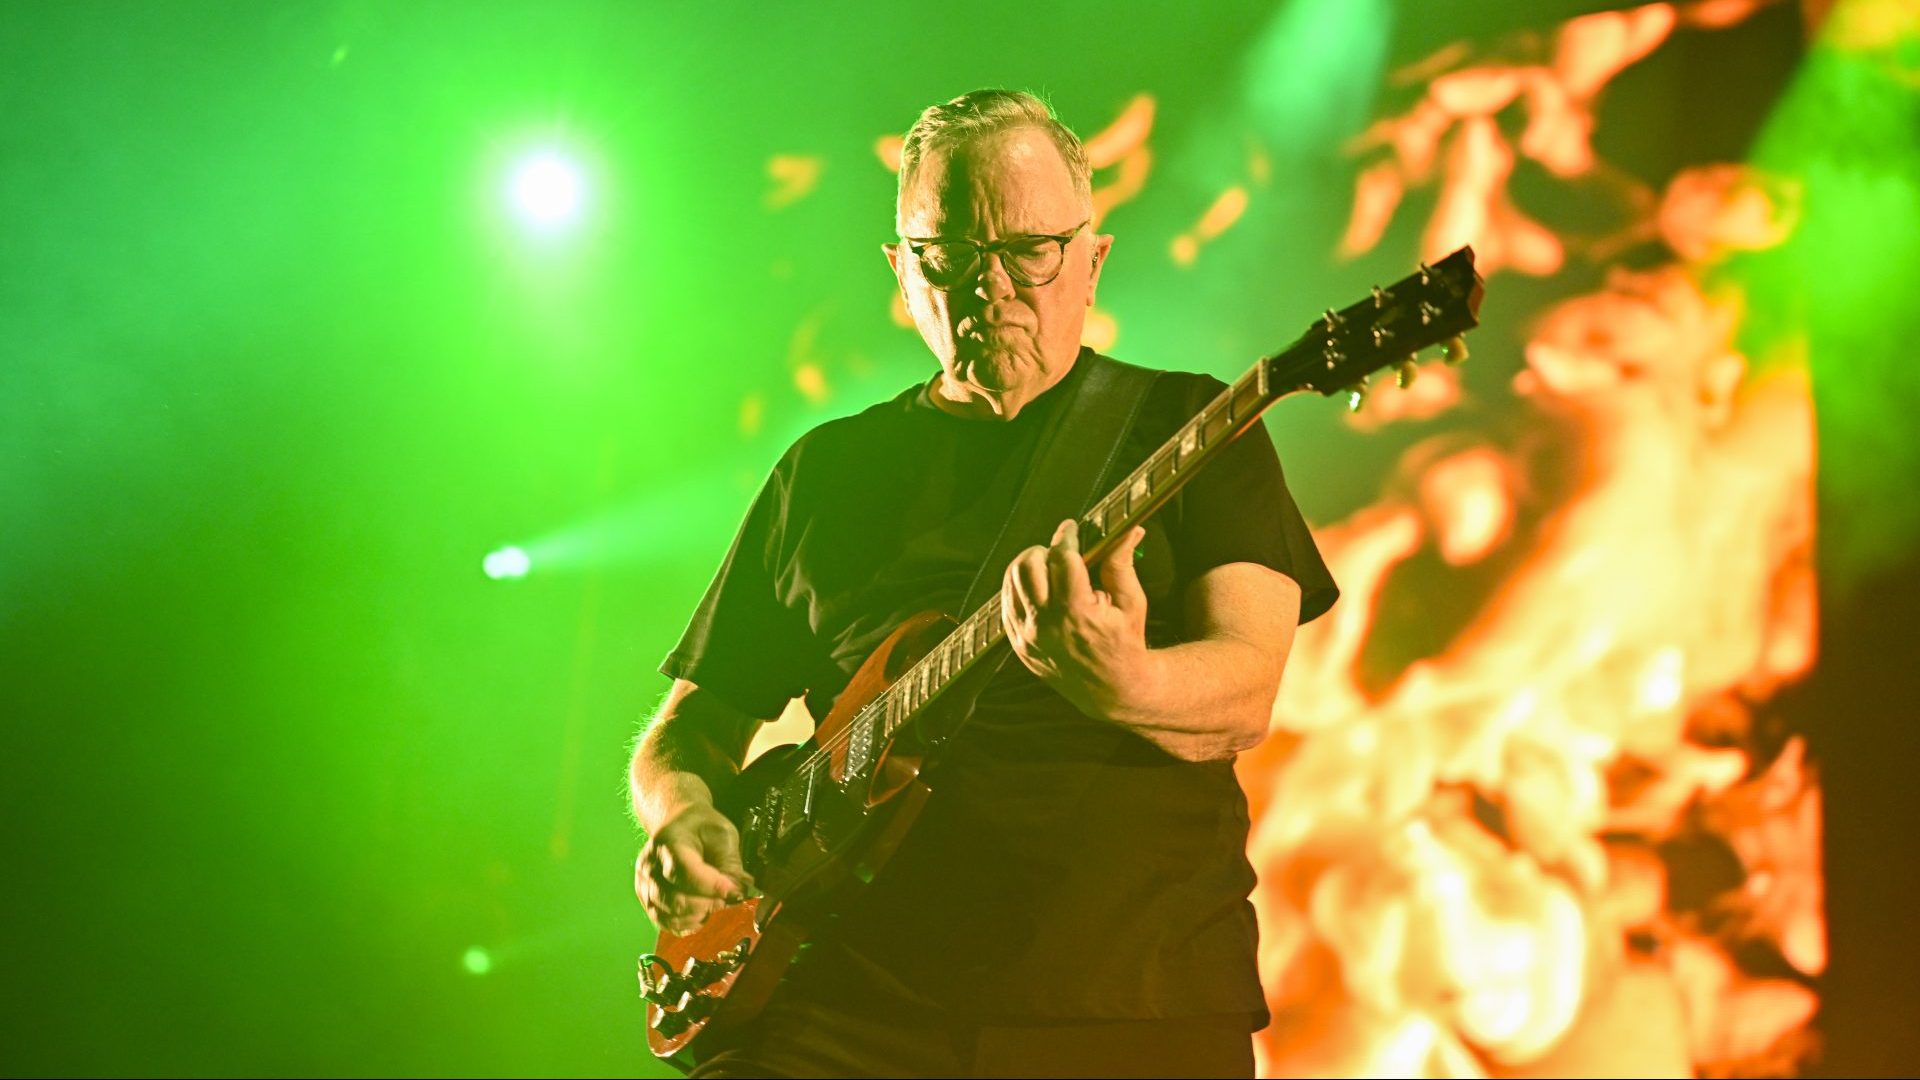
690	868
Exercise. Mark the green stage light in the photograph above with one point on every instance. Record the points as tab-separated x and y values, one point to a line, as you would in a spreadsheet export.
477	961
548	191
507	564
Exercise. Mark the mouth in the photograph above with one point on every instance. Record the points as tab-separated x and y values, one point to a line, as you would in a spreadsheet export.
991	329
996	321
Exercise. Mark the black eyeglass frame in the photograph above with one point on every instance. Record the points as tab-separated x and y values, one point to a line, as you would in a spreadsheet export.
998	247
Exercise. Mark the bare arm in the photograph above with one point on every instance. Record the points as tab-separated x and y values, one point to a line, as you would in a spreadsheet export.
691	861
1212	697
693	742
1202	700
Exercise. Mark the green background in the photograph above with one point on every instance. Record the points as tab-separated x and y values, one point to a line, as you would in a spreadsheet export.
281	366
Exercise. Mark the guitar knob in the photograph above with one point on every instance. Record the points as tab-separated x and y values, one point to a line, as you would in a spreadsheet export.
671	993
1407	370
650	983
735	956
1456	349
670	1024
660	984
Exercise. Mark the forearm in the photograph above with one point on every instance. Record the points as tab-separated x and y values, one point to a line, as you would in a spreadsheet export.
1203	700
666	778
1200	700
690	747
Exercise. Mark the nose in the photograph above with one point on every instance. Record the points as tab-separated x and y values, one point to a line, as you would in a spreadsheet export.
992	282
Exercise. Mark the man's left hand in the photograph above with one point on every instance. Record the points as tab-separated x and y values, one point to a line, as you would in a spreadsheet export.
1088	643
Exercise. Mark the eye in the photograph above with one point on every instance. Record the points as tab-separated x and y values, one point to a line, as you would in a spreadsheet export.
1031	247
944	259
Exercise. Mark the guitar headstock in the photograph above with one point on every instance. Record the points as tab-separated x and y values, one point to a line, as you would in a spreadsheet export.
1343	348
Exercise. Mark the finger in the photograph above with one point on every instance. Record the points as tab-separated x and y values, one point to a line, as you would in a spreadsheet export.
643	888
1030	578
1067	577
1012	605
691	907
685	918
684	872
723	853
1118	576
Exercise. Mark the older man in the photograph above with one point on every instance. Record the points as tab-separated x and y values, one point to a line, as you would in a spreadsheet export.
1073	900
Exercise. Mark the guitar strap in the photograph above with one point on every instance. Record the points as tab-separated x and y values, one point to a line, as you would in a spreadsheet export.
1074	462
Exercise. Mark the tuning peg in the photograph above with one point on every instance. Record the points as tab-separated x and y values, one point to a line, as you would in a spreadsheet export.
1406	371
1357	396
1456	349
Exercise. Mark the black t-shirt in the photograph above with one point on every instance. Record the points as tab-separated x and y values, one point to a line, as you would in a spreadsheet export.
1064	867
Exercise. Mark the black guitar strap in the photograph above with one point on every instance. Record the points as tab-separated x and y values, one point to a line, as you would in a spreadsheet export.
1075	460
1071	465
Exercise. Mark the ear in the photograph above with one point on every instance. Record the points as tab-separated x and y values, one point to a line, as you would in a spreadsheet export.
893	257
1102	243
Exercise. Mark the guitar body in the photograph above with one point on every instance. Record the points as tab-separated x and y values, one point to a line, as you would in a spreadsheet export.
702	985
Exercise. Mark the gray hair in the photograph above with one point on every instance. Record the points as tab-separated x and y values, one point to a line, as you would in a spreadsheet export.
983	112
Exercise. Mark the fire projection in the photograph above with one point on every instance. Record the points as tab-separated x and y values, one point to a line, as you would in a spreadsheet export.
1568	841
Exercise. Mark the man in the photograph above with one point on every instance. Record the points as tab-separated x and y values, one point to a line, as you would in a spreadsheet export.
1073	899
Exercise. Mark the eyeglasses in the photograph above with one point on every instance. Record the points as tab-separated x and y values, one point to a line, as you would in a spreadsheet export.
1031	259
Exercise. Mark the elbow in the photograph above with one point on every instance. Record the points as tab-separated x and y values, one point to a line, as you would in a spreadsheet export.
1251	731
1242	732
1248	725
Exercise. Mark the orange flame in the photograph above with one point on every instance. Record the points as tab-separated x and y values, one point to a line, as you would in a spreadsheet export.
1482	867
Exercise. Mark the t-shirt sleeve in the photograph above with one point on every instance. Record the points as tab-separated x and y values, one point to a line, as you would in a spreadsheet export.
747	643
1238	509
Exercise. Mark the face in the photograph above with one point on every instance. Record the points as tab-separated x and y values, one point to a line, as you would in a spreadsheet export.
994	337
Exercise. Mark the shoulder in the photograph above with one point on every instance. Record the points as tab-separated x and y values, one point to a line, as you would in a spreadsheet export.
1173	384
847	440
1187	387
1175	396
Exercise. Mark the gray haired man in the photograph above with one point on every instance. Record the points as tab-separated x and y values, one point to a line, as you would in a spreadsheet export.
1073	900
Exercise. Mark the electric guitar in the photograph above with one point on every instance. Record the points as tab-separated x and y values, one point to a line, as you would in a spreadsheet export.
819	817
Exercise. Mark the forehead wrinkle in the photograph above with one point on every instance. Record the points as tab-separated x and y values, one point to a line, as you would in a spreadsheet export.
996	185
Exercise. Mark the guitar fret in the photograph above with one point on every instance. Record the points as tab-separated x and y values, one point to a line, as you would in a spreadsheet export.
1160	467
1223	419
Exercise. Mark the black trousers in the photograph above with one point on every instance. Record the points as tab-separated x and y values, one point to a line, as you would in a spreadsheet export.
805	1033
